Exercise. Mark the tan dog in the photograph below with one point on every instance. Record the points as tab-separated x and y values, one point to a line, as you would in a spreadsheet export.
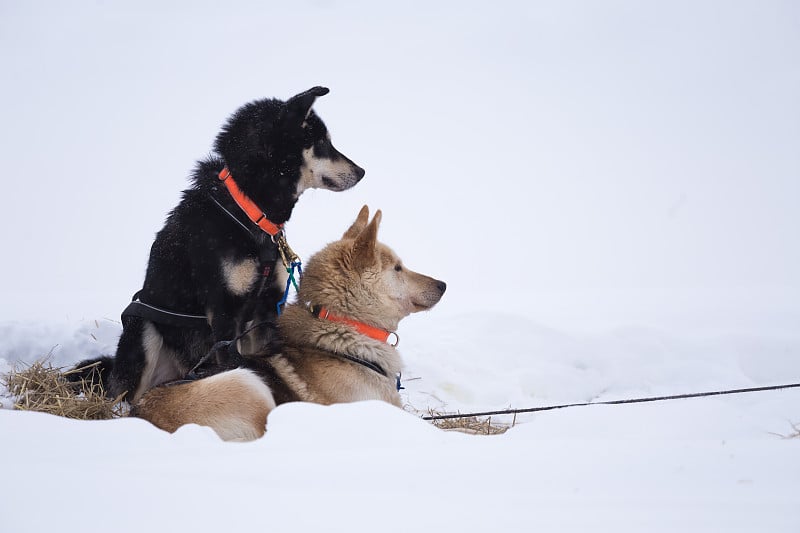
339	343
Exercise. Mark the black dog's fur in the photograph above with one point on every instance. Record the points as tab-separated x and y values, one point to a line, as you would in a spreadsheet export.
273	150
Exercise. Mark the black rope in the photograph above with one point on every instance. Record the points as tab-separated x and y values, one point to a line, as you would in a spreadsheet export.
612	402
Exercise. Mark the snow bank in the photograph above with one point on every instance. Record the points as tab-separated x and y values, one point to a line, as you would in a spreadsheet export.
369	466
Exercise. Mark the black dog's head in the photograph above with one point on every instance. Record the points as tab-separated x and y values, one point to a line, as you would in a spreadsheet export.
275	150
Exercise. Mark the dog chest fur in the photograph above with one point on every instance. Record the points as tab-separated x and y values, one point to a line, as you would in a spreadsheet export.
240	276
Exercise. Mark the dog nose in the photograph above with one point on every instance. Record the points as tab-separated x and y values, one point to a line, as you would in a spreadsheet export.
441	286
359	172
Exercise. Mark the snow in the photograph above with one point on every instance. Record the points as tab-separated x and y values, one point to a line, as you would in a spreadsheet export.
367	466
609	190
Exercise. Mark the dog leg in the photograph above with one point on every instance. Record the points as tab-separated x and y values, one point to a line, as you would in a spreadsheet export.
235	404
224	323
157	363
261	317
129	361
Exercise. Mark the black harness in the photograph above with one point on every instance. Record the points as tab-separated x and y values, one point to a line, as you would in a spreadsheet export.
267	255
138	308
369	364
372	366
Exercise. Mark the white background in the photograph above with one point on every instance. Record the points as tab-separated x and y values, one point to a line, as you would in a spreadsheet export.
609	189
585	163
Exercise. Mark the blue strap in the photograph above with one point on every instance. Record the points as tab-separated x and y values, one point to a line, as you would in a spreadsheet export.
289	282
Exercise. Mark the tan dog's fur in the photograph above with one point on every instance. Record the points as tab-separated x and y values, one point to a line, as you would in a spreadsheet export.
357	277
253	399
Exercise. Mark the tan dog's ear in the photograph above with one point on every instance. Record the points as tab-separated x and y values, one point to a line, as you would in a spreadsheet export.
364	248
359	225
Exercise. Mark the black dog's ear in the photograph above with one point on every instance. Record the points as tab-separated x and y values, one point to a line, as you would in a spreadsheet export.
299	106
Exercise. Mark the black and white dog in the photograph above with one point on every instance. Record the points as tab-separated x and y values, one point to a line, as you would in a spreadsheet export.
214	267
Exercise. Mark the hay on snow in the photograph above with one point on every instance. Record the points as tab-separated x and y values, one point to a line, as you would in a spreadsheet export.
42	387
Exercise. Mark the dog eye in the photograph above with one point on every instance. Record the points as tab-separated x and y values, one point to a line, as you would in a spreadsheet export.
398	268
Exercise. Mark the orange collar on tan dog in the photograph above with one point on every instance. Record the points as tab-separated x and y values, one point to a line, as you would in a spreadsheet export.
365	329
253	212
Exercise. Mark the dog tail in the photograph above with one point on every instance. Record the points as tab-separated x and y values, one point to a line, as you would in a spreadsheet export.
93	372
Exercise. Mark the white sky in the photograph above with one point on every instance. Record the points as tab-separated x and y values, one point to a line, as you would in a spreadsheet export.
578	162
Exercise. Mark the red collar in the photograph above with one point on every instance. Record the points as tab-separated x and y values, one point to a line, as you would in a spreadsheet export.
365	329
253	212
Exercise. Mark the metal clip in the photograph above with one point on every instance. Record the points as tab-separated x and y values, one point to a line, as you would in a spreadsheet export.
287	254
396	339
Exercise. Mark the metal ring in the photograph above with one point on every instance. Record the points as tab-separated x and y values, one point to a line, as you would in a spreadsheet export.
396	339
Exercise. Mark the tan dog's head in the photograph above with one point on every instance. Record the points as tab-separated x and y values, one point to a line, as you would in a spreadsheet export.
365	280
